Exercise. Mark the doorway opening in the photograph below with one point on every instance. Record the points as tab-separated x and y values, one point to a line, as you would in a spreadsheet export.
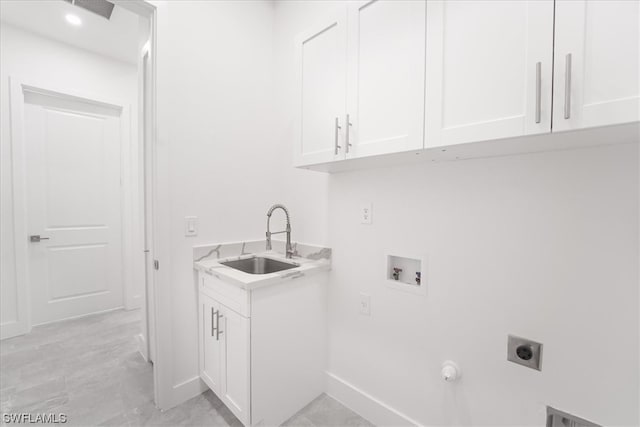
78	120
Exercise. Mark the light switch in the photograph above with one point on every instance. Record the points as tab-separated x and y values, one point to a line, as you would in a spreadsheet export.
365	213
365	304
190	225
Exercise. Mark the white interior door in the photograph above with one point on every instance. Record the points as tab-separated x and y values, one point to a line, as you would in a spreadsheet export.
597	71
73	158
386	77
321	80
489	69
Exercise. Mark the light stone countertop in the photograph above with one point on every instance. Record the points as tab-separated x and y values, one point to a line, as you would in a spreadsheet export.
315	264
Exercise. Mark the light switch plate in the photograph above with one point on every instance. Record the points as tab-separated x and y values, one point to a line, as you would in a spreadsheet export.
190	225
365	304
366	210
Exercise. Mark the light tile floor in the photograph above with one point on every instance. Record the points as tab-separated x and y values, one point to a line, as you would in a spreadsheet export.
90	370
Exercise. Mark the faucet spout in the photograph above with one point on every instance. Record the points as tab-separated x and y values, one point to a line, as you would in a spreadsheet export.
289	248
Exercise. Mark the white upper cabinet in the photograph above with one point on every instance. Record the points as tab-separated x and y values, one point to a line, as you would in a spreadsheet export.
361	82
489	70
385	85
596	63
392	76
321	81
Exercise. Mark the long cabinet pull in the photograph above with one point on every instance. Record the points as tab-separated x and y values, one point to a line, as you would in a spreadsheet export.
347	143
538	90
218	331
213	326
567	86
337	130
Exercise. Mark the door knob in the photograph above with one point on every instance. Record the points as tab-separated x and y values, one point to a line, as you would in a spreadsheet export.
35	238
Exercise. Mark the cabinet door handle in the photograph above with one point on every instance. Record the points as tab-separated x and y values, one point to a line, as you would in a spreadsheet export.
538	90
213	326
347	143
218	331
337	130
567	86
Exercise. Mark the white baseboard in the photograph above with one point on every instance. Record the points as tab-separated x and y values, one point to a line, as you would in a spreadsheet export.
79	316
142	347
367	406
13	329
186	390
133	303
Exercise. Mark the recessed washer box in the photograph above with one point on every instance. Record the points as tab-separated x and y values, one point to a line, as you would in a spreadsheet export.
406	274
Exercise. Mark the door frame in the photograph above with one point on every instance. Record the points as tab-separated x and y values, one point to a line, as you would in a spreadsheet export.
160	300
18	89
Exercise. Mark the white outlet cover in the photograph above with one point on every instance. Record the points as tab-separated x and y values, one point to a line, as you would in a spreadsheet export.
366	211
365	304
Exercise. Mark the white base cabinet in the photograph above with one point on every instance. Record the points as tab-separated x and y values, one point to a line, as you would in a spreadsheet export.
210	360
263	352
225	355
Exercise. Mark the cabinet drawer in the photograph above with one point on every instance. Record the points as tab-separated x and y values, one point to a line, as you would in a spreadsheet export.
231	296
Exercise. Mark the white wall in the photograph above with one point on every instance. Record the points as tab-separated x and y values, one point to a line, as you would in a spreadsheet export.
306	191
227	155
543	246
47	63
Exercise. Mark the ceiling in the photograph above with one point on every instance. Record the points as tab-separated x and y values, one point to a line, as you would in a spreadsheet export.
116	38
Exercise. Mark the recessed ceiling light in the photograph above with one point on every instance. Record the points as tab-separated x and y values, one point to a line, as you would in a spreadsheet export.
73	19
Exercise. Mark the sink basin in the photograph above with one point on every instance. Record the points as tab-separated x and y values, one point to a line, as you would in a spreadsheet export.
259	265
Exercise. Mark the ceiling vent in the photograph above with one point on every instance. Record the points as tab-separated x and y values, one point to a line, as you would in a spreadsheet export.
103	8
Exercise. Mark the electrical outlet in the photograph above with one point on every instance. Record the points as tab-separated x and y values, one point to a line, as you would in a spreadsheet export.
524	352
365	213
190	225
365	304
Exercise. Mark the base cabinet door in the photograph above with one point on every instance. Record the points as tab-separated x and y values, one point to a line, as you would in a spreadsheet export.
596	71
225	355
211	346
488	70
236	363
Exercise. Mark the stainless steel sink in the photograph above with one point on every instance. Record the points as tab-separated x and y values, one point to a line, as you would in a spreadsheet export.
259	265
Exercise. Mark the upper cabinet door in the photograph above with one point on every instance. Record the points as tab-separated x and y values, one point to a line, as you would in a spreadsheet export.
596	63
385	86
489	70
321	80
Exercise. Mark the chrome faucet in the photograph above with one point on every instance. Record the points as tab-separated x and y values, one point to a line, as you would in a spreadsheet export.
288	230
